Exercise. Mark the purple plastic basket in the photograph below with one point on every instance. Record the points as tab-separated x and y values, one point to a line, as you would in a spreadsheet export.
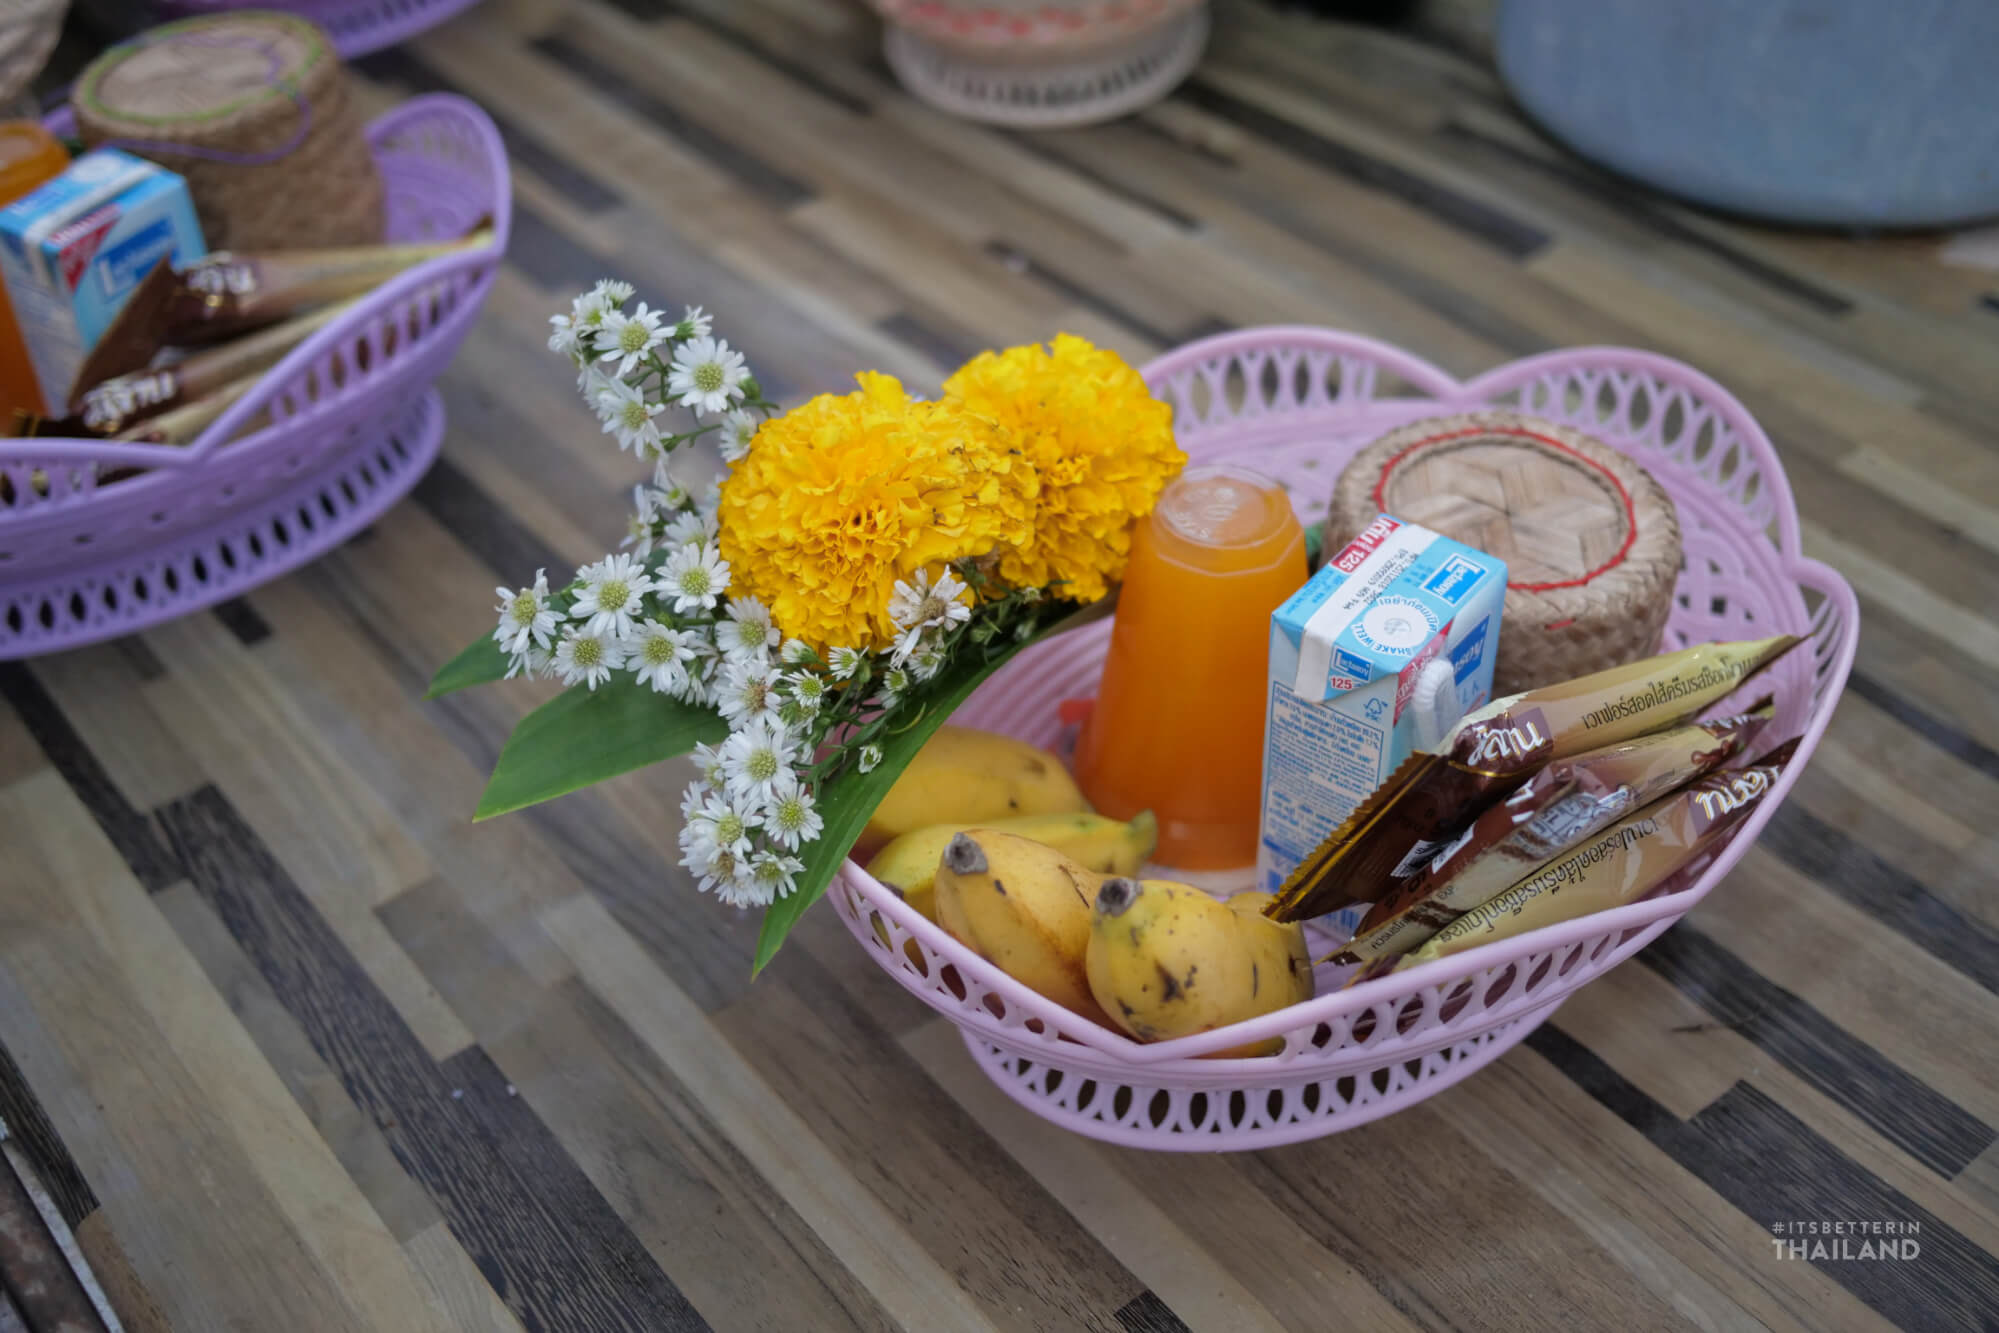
356	26
1297	403
82	561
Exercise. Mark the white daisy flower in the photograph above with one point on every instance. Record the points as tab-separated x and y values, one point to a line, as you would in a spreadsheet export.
694	324
791	816
797	652
692	527
562	335
734	438
627	339
847	663
612	591
532	664
808	688
587	658
925	603
748	628
641	528
694	576
612	291
895	682
754	758
929	660
626	414
907	643
746	691
673	496
586	312
706	375
871	757
724	823
741	889
527	621
708	763
595	385
658	654
773	876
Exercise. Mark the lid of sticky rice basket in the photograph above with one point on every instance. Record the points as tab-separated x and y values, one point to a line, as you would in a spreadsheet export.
208	75
1590	539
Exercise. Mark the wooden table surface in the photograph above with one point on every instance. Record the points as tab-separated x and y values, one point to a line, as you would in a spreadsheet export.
297	1047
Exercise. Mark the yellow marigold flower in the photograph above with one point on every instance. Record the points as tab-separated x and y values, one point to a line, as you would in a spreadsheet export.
843	496
1101	444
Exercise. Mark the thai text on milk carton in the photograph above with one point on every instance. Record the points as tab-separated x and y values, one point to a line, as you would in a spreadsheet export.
1397	627
74	249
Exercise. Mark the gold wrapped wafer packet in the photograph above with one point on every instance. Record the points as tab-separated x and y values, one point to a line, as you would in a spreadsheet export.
1397	830
226	294
1631	860
184	423
1565	803
124	400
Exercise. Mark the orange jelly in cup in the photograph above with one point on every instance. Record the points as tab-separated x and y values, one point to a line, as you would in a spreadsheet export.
1178	723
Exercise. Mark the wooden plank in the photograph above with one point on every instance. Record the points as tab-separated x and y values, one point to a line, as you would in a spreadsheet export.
742	1257
364	1154
458	1289
1144	1237
158	1138
97	689
870	1240
497	1176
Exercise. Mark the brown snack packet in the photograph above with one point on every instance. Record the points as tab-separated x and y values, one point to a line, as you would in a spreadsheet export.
122	401
1492	750
1631	860
226	294
1560	806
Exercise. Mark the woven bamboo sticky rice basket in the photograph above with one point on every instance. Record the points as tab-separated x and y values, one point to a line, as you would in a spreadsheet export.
253	110
1298	403
1590	540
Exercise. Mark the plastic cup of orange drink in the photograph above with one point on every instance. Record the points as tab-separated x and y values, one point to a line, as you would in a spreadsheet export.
1178	724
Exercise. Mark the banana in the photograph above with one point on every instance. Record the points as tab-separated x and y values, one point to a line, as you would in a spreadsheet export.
968	777
909	863
1023	907
1166	960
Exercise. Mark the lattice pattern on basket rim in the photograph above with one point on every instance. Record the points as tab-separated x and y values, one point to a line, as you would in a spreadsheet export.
1274	388
1243	1114
264	542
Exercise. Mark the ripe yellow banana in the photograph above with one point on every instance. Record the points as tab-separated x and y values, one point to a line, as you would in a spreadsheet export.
909	863
968	777
1166	960
1023	907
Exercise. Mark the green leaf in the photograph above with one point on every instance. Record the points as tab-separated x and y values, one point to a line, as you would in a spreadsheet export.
849	800
479	664
585	736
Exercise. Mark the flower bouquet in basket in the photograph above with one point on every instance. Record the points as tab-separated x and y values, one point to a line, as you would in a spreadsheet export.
802	625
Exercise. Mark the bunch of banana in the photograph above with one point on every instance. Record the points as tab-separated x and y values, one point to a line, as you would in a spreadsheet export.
1166	960
909	863
968	777
1025	908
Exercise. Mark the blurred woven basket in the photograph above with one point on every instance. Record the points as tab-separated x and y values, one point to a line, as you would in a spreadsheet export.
252	108
29	30
1042	63
1590	539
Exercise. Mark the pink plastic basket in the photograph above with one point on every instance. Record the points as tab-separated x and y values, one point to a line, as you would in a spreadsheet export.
1297	403
82	561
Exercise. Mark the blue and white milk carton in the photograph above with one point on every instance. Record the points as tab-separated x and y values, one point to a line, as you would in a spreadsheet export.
74	249
1379	652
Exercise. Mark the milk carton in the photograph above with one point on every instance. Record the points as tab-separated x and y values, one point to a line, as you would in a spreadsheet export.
1379	652
74	249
